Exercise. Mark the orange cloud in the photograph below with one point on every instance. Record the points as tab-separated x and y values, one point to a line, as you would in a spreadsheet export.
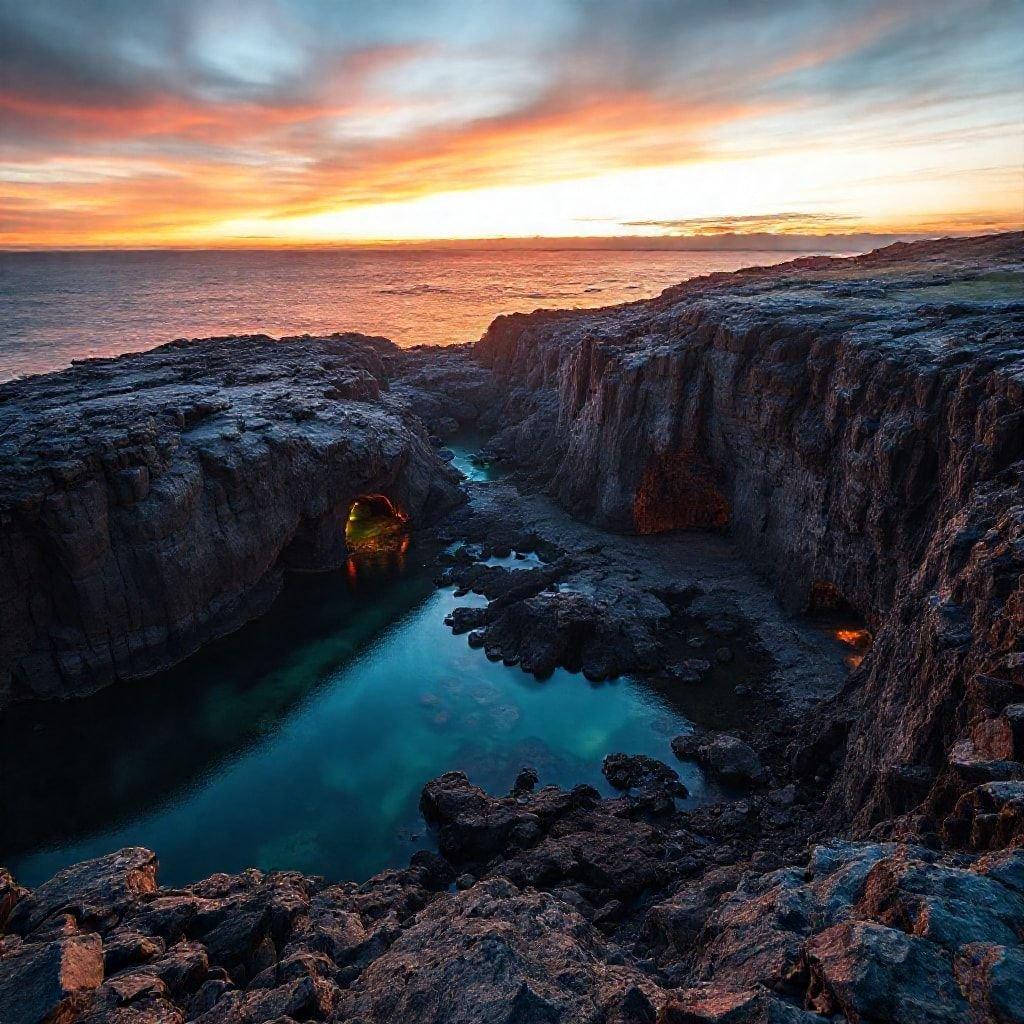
169	200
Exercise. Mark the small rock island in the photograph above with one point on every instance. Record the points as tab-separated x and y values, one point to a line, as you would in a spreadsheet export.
701	472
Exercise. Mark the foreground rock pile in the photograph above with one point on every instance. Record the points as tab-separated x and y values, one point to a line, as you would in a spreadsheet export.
550	906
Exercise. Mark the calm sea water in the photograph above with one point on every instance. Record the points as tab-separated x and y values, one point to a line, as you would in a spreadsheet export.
56	307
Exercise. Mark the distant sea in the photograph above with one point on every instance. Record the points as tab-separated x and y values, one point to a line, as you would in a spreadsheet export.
56	307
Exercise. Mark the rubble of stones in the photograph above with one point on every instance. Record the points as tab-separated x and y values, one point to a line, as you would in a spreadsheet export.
544	905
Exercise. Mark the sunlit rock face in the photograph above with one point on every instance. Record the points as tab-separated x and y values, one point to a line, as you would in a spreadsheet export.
150	503
857	423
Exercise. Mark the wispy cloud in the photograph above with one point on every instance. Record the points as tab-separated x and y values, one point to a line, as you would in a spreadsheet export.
123	121
775	222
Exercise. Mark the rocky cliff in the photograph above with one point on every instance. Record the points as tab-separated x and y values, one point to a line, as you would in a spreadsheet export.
858	426
151	502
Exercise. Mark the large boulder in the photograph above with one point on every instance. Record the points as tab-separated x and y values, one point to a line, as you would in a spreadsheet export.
497	955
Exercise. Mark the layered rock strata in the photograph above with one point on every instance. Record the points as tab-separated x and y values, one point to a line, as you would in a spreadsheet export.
151	502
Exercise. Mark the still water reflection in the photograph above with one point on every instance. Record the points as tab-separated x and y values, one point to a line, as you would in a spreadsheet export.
303	740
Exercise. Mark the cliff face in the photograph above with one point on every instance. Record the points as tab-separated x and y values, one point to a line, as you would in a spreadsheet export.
857	425
150	503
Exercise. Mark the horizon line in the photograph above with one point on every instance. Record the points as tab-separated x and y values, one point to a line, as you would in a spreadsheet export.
725	242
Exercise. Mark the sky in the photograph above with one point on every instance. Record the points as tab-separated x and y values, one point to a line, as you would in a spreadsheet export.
289	122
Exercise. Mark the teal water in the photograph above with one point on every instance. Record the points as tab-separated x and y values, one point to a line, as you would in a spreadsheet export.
303	740
465	448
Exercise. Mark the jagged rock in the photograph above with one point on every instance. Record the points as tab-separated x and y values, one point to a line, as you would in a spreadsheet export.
725	756
548	629
709	1004
732	759
95	892
526	781
638	771
872	973
495	953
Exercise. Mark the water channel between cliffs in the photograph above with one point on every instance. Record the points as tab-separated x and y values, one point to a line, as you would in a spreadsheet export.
303	740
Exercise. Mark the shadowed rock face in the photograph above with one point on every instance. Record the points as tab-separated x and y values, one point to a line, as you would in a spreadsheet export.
150	503
859	425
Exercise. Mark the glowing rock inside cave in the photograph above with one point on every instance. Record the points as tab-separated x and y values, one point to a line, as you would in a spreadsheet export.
376	526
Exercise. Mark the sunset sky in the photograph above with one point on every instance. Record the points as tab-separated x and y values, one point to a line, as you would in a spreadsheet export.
213	122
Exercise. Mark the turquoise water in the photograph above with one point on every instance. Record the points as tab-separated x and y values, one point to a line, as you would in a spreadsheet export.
303	740
465	448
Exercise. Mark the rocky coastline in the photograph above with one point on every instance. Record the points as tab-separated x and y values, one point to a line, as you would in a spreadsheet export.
854	427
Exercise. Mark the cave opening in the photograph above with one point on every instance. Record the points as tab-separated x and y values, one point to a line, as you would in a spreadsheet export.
678	492
828	606
375	525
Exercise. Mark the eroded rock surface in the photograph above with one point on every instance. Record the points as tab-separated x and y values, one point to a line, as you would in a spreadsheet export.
151	502
568	909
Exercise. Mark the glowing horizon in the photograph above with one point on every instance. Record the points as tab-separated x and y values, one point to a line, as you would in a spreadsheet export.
291	122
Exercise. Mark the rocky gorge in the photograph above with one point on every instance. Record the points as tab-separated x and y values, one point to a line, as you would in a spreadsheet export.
853	428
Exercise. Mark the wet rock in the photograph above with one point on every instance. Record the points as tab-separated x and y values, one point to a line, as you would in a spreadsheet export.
526	781
732	760
637	771
725	756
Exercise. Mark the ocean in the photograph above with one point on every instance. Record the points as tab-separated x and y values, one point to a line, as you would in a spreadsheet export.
60	306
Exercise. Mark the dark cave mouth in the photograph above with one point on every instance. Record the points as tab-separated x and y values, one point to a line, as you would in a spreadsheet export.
375	525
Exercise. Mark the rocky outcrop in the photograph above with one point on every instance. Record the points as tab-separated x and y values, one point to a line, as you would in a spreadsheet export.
151	502
566	909
858	426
